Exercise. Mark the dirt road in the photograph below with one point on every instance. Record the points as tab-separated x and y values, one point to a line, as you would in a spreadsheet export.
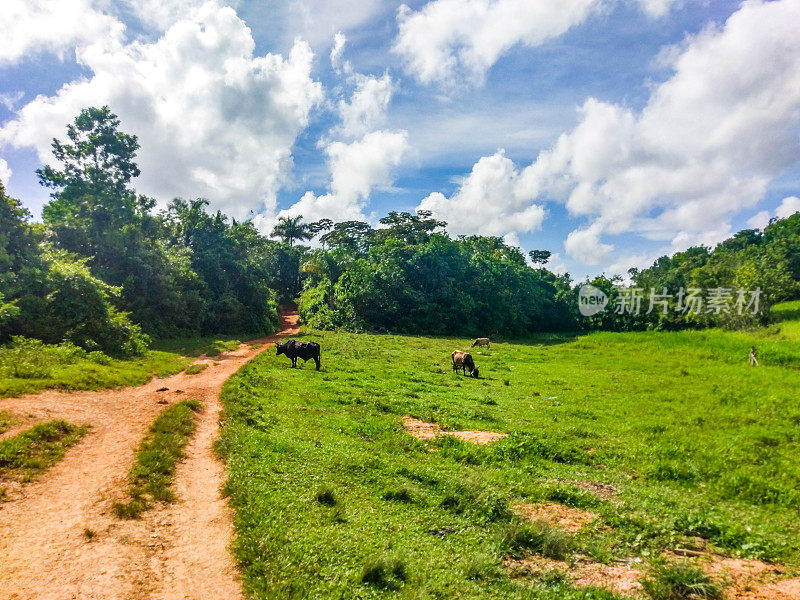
175	551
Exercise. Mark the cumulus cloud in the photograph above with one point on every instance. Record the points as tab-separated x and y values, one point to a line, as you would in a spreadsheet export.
448	39
5	172
28	27
788	207
161	14
585	245
212	118
362	159
367	106
759	220
356	169
492	200
704	148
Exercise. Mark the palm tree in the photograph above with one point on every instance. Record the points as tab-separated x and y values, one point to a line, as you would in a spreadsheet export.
290	229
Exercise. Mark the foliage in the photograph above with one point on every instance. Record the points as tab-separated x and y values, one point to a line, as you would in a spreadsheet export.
53	294
768	260
407	277
234	264
151	477
290	229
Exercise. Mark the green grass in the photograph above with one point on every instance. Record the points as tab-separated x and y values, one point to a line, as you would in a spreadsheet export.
195	369
695	441
786	311
680	581
151	476
30	366
209	345
26	455
7	420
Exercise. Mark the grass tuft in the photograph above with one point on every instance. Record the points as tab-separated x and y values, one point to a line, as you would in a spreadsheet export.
7	420
538	537
401	494
157	458
384	573
679	581
29	453
325	496
196	368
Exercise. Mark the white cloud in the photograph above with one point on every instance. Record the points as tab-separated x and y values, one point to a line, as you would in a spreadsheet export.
162	14
449	39
491	200
11	99
704	148
789	206
585	245
212	119
339	41
5	172
356	169
367	106
759	220
313	20
29	27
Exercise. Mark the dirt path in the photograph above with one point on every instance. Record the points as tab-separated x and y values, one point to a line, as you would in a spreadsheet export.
176	551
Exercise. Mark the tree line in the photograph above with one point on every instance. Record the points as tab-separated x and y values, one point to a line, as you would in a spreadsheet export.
107	272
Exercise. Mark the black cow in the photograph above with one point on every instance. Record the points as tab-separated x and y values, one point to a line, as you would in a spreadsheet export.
294	350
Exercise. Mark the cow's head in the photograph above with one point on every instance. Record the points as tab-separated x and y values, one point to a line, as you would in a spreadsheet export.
475	372
280	349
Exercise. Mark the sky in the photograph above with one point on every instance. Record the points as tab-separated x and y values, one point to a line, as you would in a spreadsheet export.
609	132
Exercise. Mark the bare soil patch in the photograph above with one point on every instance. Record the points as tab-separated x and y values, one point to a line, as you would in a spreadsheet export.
568	518
425	431
744	579
179	550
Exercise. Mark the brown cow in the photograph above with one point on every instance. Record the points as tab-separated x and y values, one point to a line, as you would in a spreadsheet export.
463	361
480	342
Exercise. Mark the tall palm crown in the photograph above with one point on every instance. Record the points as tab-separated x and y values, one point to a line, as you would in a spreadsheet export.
290	229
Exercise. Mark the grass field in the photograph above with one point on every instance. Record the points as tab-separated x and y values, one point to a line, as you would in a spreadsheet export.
333	499
32	366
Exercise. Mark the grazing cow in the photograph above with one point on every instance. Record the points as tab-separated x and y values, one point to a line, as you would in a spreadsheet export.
463	361
294	350
480	342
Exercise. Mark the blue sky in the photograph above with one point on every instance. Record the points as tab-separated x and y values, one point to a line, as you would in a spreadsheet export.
606	131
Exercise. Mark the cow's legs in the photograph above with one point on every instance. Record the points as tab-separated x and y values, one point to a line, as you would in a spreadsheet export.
316	360
294	362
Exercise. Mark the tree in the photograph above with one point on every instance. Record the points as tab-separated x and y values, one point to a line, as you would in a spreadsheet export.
96	167
539	257
290	229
